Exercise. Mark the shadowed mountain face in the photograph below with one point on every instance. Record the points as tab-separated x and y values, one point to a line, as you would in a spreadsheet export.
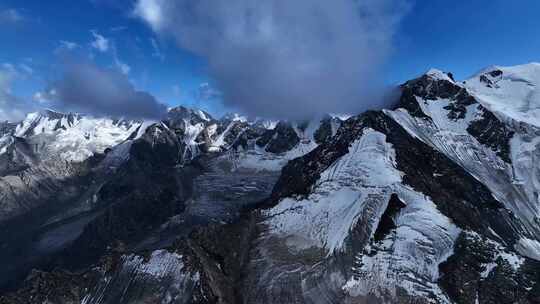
435	201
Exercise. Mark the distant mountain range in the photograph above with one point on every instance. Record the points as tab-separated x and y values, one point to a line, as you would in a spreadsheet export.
435	200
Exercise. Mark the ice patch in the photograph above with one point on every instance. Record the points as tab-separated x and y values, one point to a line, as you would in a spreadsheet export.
340	194
160	264
515	185
5	142
74	139
529	248
514	94
438	75
423	239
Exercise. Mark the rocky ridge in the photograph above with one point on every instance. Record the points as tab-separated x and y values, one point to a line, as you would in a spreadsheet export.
434	201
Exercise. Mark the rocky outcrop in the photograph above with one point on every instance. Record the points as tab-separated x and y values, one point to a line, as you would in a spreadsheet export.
477	272
491	132
280	139
7	128
327	129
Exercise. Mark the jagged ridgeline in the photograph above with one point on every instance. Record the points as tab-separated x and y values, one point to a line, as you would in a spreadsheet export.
434	201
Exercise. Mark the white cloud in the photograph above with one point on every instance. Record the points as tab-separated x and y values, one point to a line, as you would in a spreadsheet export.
120	65
296	57
40	97
123	67
12	71
206	92
150	11
100	43
12	108
8	70
68	44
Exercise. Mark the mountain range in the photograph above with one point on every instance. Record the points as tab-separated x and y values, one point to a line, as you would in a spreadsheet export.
434	200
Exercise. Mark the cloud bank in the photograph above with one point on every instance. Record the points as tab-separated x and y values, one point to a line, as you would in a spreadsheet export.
86	88
295	58
12	107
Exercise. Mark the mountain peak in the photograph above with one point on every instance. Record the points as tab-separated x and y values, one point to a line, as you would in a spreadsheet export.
511	91
439	75
523	70
234	117
182	112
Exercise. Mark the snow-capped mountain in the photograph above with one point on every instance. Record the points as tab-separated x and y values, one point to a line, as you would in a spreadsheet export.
432	201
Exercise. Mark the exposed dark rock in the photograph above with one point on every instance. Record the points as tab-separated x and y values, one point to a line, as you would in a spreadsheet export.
387	220
430	88
247	138
202	219
19	156
144	193
59	287
324	132
491	132
456	193
491	78
475	272
223	251
486	80
300	174
265	138
461	272
280	139
487	129
7	128
458	105
176	117
409	102
495	73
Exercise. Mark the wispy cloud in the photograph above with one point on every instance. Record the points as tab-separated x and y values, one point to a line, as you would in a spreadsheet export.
70	45
151	11
26	68
118	28
106	45
206	92
11	15
120	65
16	71
100	43
156	51
12	108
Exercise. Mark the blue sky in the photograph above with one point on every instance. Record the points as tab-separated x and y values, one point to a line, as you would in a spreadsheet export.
466	36
38	36
38	39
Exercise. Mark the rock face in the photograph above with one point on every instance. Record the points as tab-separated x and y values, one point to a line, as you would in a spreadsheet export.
434	201
76	189
280	139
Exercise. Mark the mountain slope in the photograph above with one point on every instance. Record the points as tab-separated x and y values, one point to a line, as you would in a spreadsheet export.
434	201
450	152
81	185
